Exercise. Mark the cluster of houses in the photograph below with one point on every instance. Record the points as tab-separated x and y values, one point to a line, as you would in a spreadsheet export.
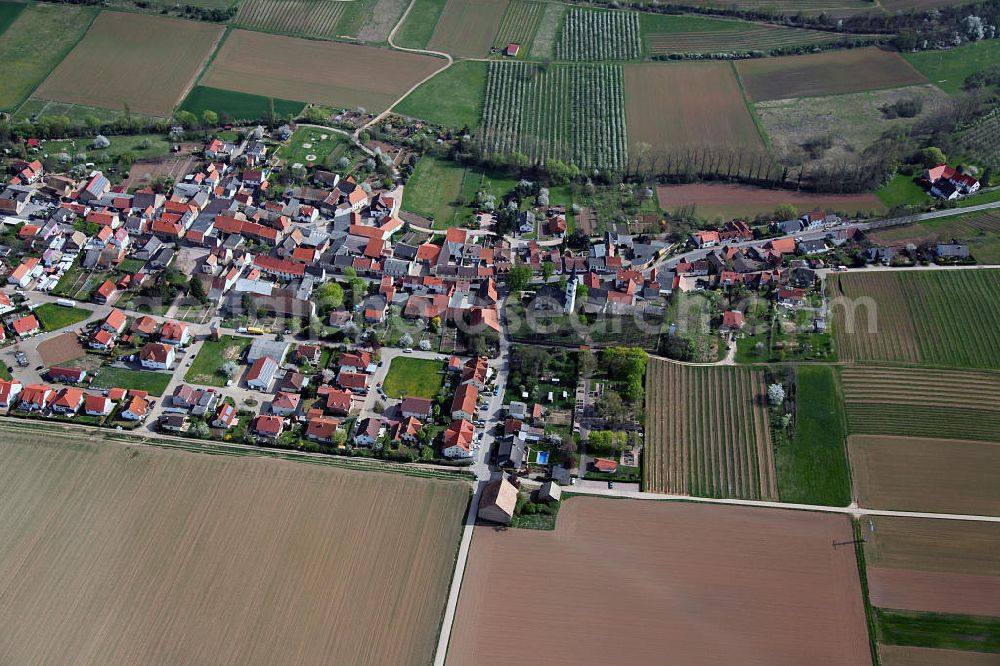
70	401
945	182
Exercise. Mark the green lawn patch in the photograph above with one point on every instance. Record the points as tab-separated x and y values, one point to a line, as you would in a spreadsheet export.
902	190
419	25
938	630
434	189
948	69
413	376
4	372
141	146
207	366
34	43
812	468
462	85
319	148
236	105
155	383
53	317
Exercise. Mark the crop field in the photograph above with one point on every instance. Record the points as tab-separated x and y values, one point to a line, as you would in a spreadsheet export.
342	75
463	85
236	105
980	230
727	201
905	655
468	28
921	402
313	18
830	73
196	558
419	25
145	62
710	115
698	584
933	567
932	317
831	7
589	34
519	23
574	113
936	475
948	69
746	37
548	30
38	38
707	432
9	11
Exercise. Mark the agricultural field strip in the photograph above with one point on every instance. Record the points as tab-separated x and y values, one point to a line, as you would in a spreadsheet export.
704	437
589	35
757	38
305	17
570	112
520	23
929	317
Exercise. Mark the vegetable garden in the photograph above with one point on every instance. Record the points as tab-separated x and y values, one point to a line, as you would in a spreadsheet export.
574	113
707	432
943	318
599	35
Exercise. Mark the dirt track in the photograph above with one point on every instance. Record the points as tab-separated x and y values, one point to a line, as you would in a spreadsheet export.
627	582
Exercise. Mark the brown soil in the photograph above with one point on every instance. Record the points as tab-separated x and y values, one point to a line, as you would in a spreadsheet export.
146	62
829	73
629	582
145	172
965	547
934	591
61	348
116	554
338	74
903	655
914	474
730	201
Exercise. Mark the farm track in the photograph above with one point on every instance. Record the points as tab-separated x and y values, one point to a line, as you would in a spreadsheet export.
707	432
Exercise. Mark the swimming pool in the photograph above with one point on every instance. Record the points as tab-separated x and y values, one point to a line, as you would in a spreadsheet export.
543	457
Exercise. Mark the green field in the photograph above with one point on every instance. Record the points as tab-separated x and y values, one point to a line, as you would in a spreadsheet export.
930	317
416	31
414	377
236	105
902	190
207	366
141	146
295	151
435	190
938	630
949	69
155	383
812	468
34	107
9	11
53	317
462	85
34	43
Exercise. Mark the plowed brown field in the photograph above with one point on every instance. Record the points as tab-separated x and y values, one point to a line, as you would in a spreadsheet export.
900	655
115	554
639	582
829	73
934	591
146	62
731	201
345	75
915	474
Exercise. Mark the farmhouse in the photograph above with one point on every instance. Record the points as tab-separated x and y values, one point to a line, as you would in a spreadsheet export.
498	501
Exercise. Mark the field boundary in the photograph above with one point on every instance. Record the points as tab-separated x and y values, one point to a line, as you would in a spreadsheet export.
761	131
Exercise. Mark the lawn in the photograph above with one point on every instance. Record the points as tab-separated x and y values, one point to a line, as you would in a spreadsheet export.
142	146
462	85
236	105
207	367
902	190
321	143
53	317
413	376
938	630
416	31
812	468
949	69
434	191
155	383
33	45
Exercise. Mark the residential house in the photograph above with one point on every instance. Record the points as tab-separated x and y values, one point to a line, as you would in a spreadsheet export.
285	404
36	398
732	320
268	427
156	356
368	431
9	391
458	439
114	322
338	401
67	375
406	430
225	417
136	409
463	406
321	429
416	407
175	333
97	405
26	326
